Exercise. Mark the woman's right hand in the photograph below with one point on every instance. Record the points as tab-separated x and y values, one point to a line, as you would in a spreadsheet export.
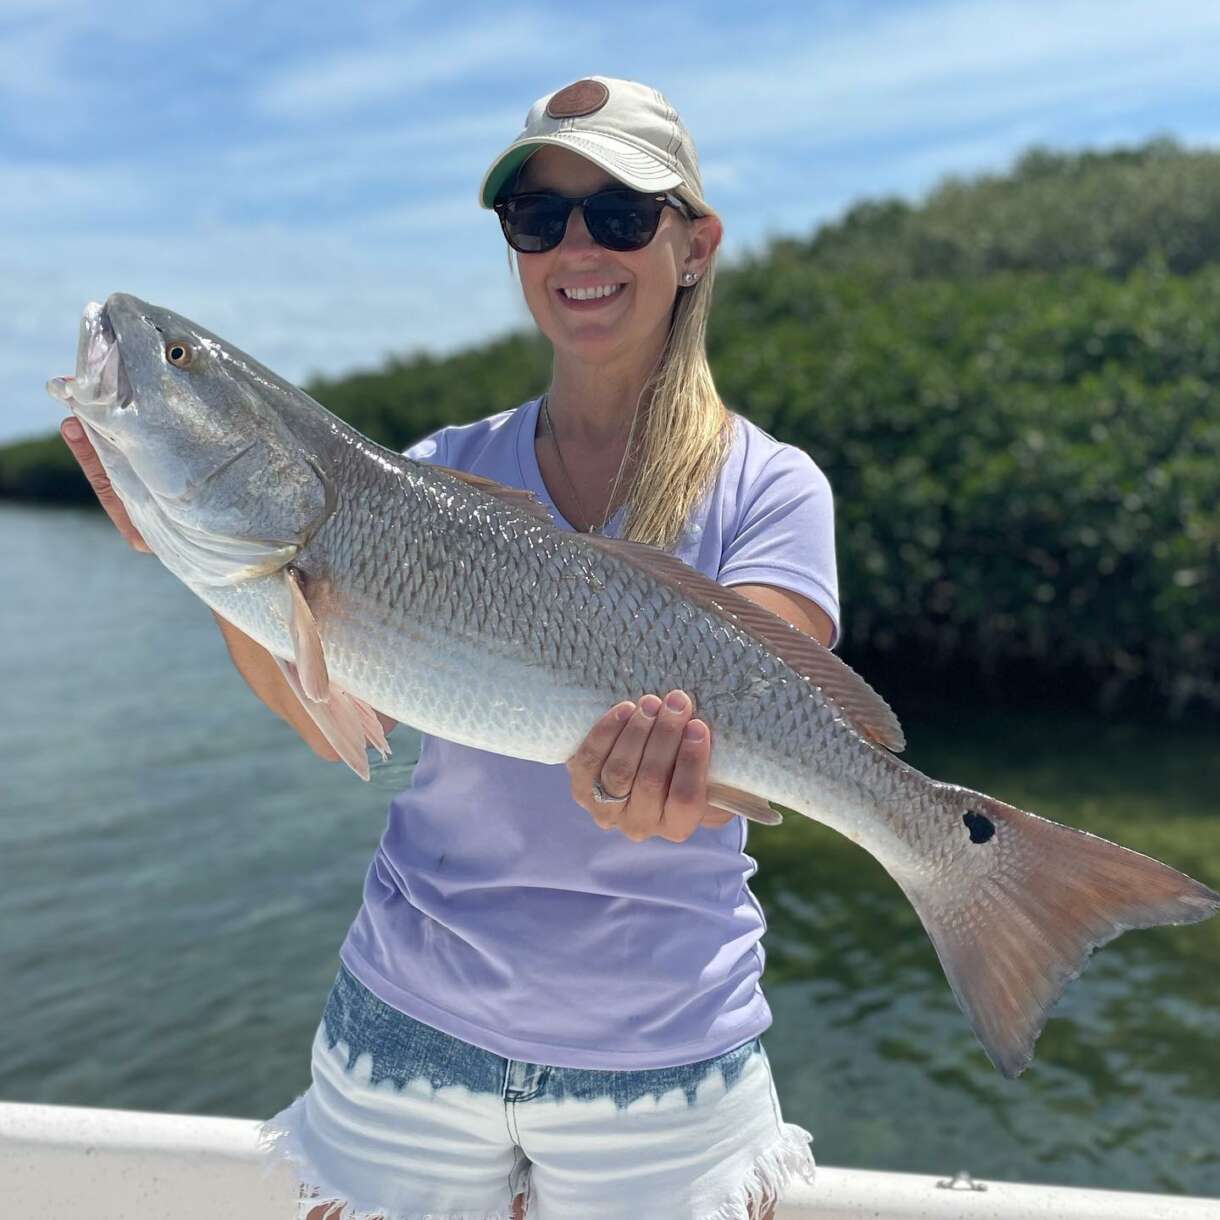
76	440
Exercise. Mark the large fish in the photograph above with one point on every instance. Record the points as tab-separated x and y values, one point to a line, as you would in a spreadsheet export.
454	604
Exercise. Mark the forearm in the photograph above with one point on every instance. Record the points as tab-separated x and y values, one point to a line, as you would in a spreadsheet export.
257	666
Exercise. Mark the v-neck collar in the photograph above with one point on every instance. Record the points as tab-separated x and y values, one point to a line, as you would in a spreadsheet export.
531	472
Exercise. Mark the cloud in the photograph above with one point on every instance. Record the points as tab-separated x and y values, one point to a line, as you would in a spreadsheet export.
951	64
302	180
301	301
356	78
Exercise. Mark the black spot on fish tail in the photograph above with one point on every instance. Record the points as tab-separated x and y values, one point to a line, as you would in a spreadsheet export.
981	827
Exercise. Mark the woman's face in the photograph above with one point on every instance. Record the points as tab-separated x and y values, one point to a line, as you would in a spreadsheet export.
633	321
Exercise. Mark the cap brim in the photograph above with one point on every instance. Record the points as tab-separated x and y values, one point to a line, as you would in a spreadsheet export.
629	164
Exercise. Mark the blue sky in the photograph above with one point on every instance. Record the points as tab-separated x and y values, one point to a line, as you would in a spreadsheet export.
302	179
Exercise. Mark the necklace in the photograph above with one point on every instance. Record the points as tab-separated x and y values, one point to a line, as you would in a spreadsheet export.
585	514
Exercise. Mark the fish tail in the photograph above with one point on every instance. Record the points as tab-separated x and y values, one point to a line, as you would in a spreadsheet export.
1016	908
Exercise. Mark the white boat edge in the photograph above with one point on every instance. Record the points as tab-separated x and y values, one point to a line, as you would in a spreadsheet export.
98	1164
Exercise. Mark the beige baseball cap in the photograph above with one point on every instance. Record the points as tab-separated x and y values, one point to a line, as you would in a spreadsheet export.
628	129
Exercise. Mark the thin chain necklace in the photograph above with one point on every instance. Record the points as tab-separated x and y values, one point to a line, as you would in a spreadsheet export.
589	529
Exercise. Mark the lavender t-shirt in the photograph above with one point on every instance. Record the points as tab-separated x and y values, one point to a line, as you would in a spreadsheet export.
497	911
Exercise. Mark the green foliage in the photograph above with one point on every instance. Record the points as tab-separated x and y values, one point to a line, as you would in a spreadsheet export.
42	469
1024	465
1105	211
1010	387
408	399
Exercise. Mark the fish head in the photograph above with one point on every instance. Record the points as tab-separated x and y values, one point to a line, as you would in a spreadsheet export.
197	440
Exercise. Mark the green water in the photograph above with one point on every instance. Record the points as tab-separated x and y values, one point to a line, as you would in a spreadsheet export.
178	872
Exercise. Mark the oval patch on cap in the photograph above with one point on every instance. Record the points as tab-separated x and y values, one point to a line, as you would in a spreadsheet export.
582	97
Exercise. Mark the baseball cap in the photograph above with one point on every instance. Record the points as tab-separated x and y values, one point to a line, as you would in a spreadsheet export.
627	128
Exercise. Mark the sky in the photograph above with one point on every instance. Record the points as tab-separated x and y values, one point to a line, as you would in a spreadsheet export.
301	179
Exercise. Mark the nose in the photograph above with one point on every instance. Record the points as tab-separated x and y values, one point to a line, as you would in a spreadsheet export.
576	236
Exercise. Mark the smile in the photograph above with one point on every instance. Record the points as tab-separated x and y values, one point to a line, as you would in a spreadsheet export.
598	292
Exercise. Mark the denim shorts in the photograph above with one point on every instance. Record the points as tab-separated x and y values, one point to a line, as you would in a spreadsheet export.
405	1122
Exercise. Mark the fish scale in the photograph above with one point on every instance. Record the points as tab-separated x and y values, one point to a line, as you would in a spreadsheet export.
439	599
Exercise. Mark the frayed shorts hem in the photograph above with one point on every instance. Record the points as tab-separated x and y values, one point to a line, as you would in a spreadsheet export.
405	1122
772	1172
280	1139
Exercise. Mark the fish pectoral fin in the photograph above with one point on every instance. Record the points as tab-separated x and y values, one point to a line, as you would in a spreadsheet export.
306	641
348	723
734	800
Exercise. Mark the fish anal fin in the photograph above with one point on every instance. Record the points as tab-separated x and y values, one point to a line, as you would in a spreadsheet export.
734	800
348	723
306	641
867	711
518	497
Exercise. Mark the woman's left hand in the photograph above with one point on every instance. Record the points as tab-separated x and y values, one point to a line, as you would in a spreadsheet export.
651	760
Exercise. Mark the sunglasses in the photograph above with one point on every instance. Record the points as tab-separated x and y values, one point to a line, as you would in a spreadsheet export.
617	218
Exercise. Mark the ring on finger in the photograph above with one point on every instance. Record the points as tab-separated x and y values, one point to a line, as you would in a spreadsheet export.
602	797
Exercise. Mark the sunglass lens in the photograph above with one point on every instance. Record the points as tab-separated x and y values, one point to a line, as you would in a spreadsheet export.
622	221
533	225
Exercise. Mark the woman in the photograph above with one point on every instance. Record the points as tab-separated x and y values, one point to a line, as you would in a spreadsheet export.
530	1017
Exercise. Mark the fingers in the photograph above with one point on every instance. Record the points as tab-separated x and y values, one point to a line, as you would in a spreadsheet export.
76	440
586	764
665	800
686	804
619	773
664	772
656	756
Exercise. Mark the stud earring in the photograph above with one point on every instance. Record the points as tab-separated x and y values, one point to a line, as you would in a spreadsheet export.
689	277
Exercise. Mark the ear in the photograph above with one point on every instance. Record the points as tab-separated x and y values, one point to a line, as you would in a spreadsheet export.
705	235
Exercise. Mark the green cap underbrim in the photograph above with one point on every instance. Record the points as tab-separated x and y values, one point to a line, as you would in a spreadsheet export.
503	170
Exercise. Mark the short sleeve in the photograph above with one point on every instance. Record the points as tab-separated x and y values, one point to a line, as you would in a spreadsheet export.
430	449
785	534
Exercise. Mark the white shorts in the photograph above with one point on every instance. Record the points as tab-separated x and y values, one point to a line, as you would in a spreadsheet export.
405	1122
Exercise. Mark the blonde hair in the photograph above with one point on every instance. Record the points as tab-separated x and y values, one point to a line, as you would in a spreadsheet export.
687	430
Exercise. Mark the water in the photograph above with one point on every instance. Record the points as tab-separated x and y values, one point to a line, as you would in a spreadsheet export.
178	871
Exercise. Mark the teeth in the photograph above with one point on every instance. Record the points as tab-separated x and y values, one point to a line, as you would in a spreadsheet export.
590	294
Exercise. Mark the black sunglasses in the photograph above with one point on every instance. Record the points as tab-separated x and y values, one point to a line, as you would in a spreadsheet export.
617	218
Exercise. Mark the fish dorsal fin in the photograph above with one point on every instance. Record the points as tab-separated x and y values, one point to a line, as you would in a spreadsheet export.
518	497
867	711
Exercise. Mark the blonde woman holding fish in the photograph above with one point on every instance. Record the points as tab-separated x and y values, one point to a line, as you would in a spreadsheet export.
549	1002
571	1018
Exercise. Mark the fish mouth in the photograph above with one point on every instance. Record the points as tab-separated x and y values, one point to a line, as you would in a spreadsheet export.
100	384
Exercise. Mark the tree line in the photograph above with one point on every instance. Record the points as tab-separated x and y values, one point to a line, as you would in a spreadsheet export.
1011	386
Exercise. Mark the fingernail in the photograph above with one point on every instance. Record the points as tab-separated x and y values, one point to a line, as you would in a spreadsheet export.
675	701
650	705
72	430
624	711
693	731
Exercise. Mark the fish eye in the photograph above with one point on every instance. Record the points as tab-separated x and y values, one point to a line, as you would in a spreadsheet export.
178	353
